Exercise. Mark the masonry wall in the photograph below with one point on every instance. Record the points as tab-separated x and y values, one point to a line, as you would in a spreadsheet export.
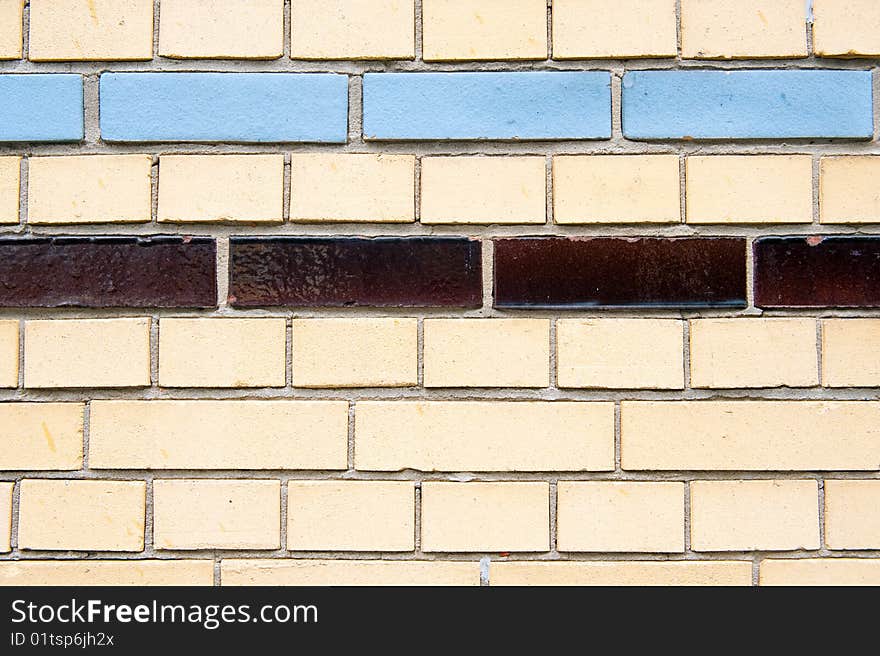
439	292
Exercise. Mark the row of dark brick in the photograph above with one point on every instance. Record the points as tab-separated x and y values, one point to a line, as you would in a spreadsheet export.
530	272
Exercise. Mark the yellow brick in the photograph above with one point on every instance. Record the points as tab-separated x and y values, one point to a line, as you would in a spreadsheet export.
605	516
352	188
347	572
89	189
222	352
585	29
733	29
484	436
852	514
485	516
484	29
81	515
216	514
730	353
846	28
851	352
10	28
350	516
46	436
82	30
640	573
821	571
483	190
754	515
5	516
616	189
107	572
9	353
87	353
848	190
750	189
221	29
355	352
352	29
218	435
487	353
10	178
228	188
620	353
750	435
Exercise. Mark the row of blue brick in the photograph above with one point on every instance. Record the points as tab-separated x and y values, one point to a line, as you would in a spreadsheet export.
313	107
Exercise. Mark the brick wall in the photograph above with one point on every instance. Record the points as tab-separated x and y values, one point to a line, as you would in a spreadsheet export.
439	292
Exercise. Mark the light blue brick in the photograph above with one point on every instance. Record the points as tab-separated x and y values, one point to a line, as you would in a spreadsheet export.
236	107
510	105
41	107
765	104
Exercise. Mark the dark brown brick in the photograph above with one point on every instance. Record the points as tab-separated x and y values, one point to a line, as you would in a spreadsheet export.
792	272
344	272
162	272
612	272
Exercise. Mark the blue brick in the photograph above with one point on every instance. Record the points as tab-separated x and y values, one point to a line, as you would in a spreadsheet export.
766	104
511	105
249	107
41	107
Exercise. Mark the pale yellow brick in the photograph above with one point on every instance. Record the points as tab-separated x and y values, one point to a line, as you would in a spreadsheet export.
484	436
618	573
586	29
616	189
221	188
9	353
733	29
483	190
750	189
846	28
821	571
730	353
498	516
851	352
107	572
606	516
352	188
216	514
355	352
81	515
352	29
10	28
221	29
852	514
750	435
848	190
754	515
46	436
348	572
89	189
83	30
10	178
484	29
87	353
487	352
218	435
350	516
6	516
620	353
222	352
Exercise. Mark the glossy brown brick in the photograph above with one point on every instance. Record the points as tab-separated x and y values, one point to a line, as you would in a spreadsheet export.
611	272
793	272
348	272
104	272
